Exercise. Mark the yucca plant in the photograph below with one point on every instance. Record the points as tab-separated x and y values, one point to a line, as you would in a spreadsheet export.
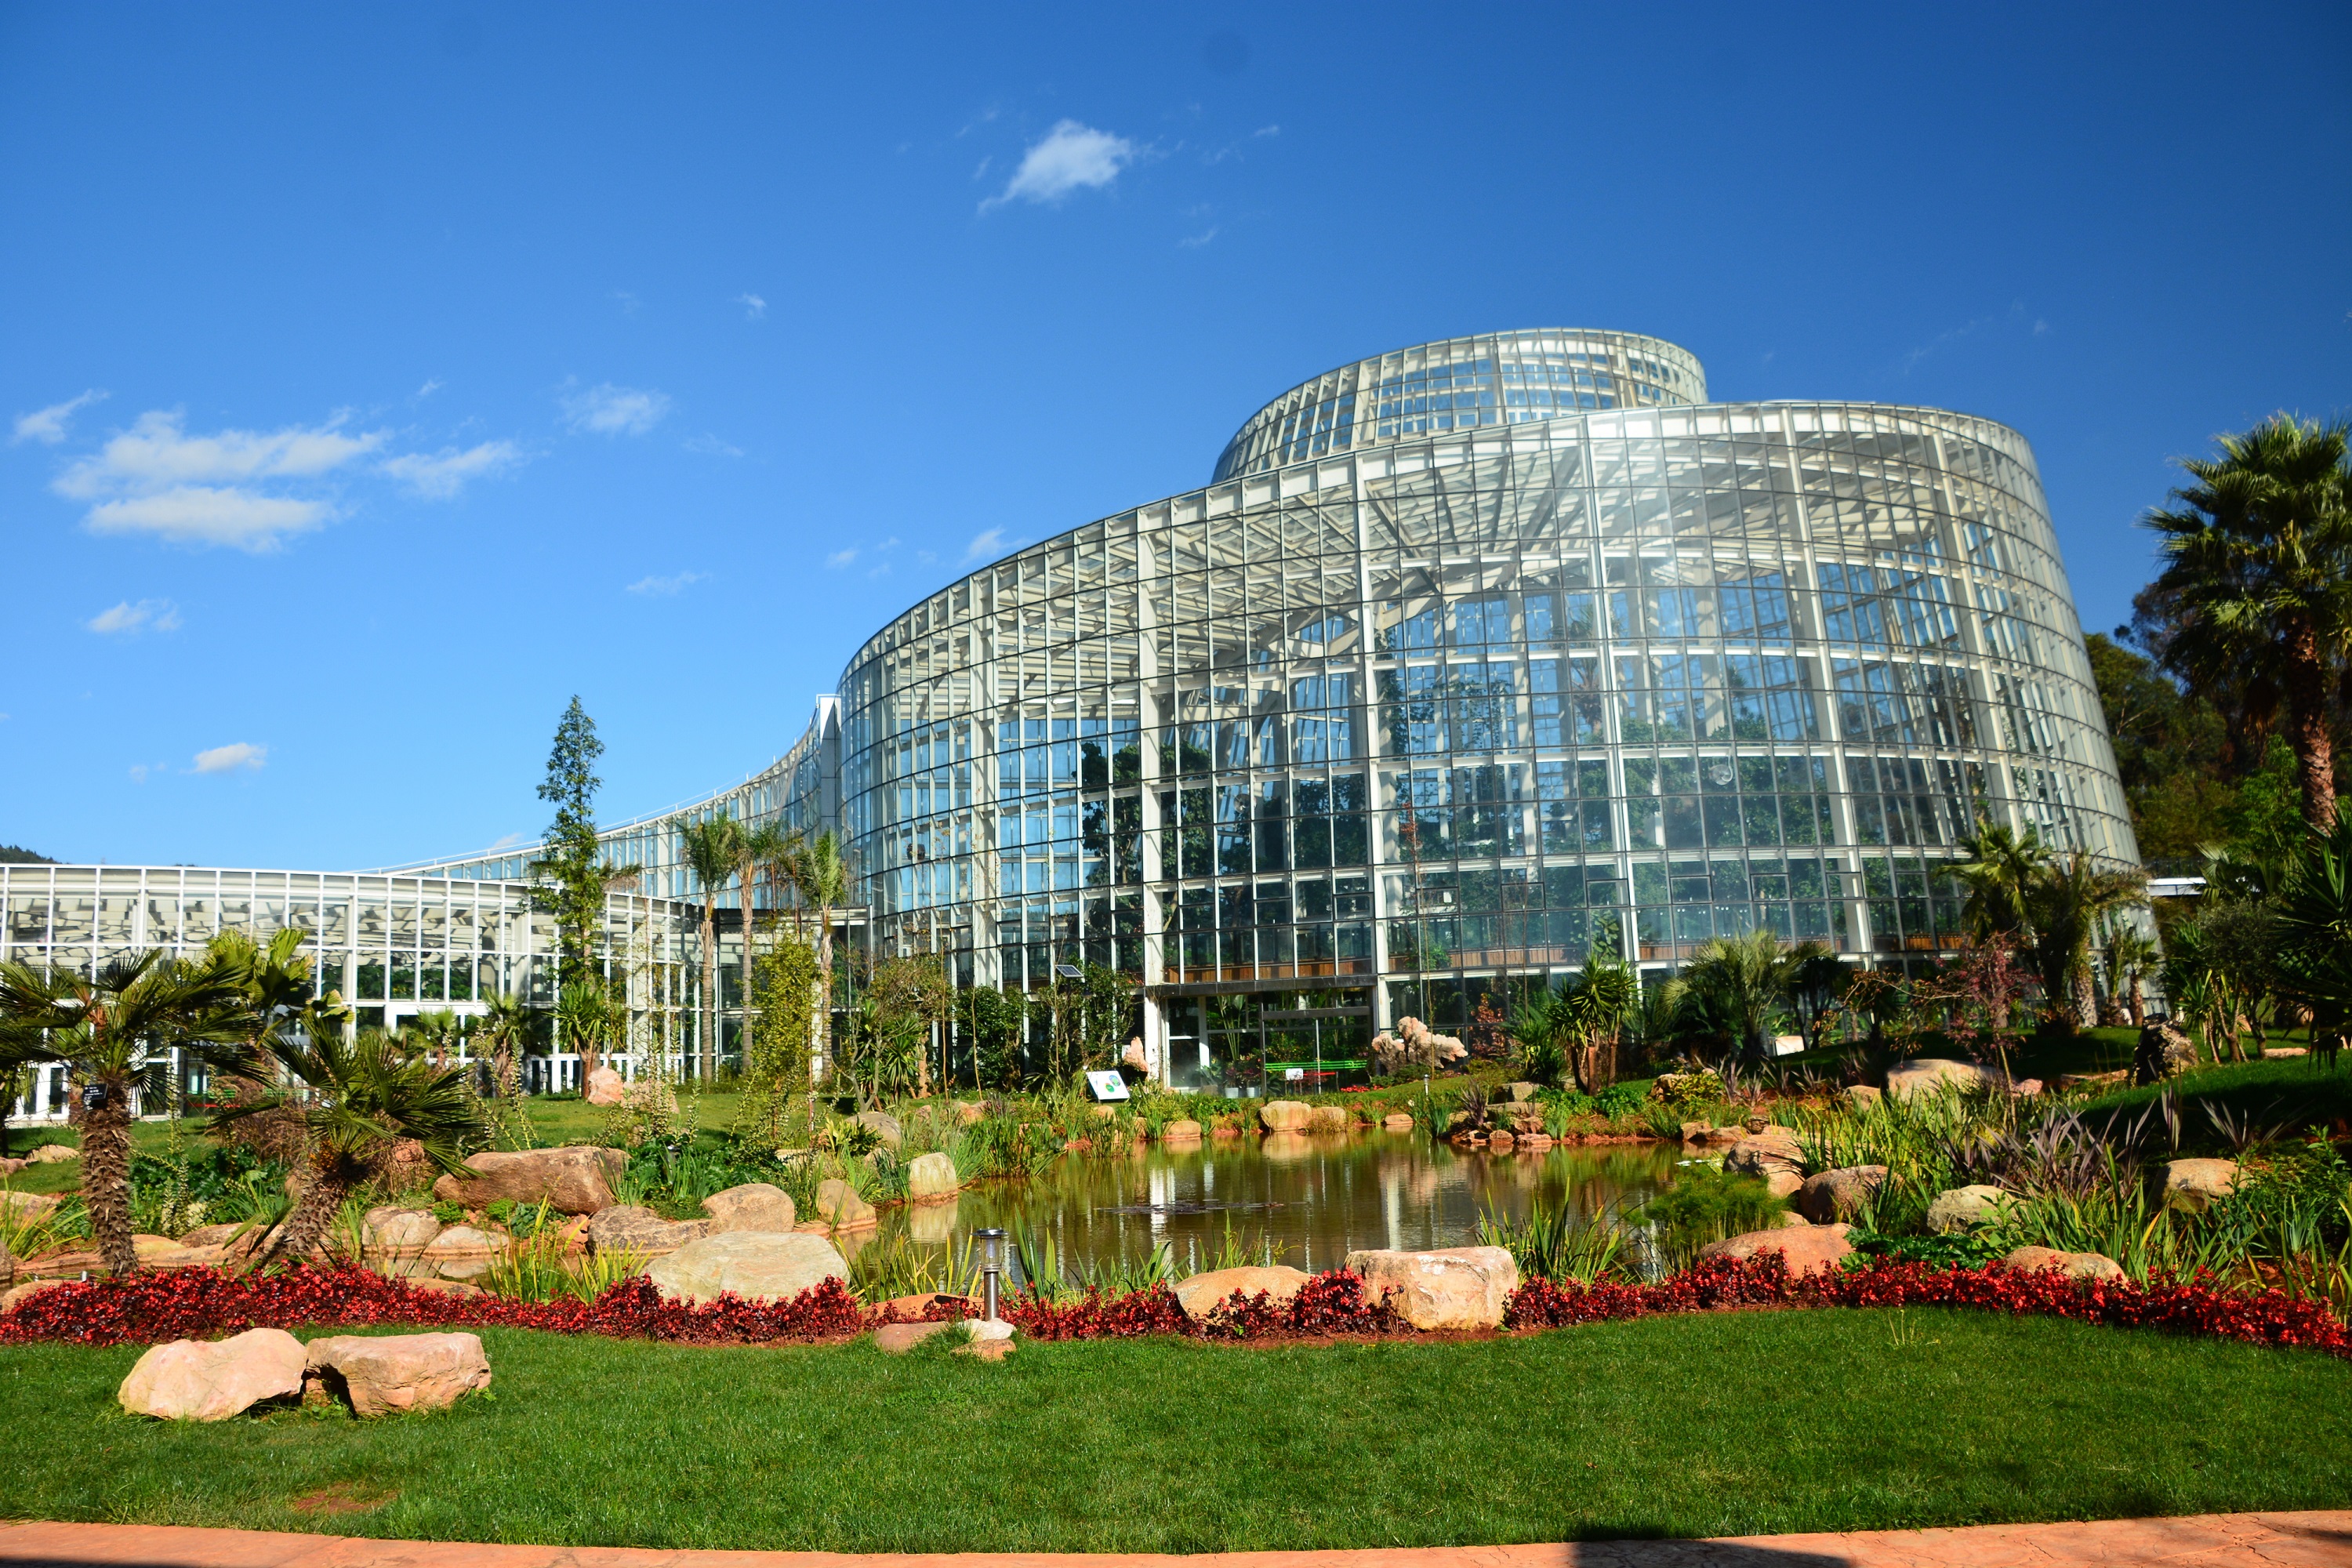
357	1101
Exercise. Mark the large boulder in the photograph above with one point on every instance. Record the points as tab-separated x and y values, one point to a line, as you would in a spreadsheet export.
1397	1121
606	1087
1451	1288
1840	1194
932	1177
1183	1130
627	1228
1285	1115
2194	1183
755	1265
462	1252
1959	1208
884	1126
754	1205
1203	1292
1936	1075
52	1155
2073	1265
1860	1095
191	1380
1330	1119
395	1230
838	1204
383	1372
1774	1155
2161	1052
574	1180
1804	1249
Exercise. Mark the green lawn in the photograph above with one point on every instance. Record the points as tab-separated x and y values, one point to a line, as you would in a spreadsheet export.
2294	1094
1730	1424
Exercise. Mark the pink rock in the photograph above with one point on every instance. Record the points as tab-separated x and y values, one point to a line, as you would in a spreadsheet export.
1450	1287
575	1180
399	1371
1202	1293
191	1380
605	1087
1811	1250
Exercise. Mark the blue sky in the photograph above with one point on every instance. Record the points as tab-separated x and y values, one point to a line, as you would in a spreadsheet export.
375	378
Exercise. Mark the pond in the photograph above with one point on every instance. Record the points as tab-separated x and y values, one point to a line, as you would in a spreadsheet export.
1305	1200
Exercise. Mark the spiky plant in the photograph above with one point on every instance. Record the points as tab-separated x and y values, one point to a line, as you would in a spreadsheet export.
115	1029
358	1099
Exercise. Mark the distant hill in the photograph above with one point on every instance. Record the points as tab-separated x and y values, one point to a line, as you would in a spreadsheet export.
14	855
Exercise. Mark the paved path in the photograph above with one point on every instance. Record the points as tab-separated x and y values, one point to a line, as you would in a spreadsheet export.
2203	1541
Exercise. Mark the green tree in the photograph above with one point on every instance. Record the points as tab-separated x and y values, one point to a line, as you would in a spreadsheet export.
2257	561
991	1023
358	1099
757	850
2130	957
2314	953
776	1057
821	882
1589	1010
505	1030
709	846
2067	902
570	863
591	1021
2174	753
2002	865
1741	983
114	1030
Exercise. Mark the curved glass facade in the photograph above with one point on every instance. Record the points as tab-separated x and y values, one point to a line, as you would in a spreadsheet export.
1442	680
1462	384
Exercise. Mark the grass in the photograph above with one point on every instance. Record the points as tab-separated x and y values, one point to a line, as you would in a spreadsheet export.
1731	1424
2298	1094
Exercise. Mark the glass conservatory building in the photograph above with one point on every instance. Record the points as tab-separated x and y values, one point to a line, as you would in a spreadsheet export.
1469	656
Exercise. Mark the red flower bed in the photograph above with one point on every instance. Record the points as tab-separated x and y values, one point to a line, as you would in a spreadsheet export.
203	1303
155	1305
2190	1307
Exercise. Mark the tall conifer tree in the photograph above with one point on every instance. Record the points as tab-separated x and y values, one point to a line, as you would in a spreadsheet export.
570	865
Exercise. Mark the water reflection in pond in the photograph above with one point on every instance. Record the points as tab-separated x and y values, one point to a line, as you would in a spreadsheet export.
1312	1199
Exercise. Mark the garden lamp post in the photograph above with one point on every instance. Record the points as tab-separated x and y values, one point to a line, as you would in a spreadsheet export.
991	1269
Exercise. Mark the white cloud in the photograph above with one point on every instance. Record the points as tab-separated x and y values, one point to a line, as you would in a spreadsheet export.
147	614
711	446
139	770
1072	157
925	558
229	758
509	841
609	410
198	514
841	558
1194	241
157	452
753	306
432	386
881	571
1267	131
626	301
984	545
667	587
47	425
442	474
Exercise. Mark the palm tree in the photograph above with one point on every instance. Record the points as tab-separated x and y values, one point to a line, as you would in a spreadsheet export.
2257	561
358	1099
435	1034
2131	955
506	1028
758	851
709	848
590	1021
823	883
1742	981
2067	903
114	1030
2002	865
